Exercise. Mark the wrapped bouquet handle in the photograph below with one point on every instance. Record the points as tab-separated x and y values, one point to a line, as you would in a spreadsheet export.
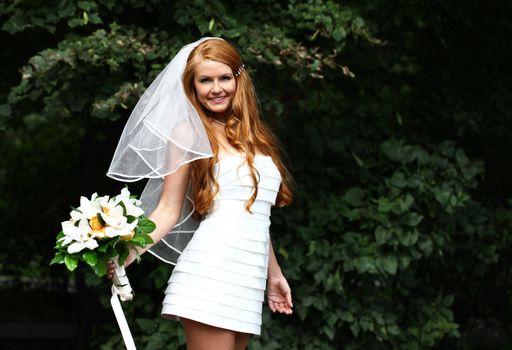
121	282
121	289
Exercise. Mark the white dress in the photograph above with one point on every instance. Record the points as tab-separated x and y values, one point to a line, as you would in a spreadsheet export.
220	277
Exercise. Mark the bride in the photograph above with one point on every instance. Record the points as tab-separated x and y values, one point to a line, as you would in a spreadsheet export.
196	133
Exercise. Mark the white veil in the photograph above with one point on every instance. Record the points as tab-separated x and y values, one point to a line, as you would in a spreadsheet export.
163	132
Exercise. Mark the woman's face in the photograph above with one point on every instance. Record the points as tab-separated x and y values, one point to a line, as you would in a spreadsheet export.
215	86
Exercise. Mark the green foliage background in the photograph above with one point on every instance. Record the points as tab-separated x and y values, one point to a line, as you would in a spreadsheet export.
394	115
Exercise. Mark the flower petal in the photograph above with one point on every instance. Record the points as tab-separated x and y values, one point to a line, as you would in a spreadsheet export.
91	244
76	247
111	232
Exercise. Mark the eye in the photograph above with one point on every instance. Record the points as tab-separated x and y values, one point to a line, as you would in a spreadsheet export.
226	77
204	80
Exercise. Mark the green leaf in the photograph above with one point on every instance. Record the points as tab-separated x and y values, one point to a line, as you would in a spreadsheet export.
138	241
121	204
146	225
58	242
100	219
365	264
329	332
412	219
123	255
393	329
100	268
58	258
358	160
397	180
354	196
339	33
90	257
354	327
347	316
71	262
381	235
147	239
148	324
448	300
384	205
389	264
408	238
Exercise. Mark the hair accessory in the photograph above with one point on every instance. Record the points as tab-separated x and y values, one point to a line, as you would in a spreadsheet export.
215	37
240	70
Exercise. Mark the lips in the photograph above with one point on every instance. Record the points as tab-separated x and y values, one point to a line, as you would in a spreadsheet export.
218	100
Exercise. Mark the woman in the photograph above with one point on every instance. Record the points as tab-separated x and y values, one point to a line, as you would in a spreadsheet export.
198	128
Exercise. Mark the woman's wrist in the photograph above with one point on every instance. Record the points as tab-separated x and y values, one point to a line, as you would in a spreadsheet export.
274	272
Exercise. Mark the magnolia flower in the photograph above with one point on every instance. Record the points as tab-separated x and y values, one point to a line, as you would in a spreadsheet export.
112	214
76	215
89	207
123	231
132	205
78	236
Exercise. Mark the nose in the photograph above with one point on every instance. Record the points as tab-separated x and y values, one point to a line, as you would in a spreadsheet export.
216	88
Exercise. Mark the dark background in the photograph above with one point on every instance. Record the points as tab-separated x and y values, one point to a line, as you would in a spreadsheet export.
395	119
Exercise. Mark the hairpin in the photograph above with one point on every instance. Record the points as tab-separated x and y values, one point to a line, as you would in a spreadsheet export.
239	71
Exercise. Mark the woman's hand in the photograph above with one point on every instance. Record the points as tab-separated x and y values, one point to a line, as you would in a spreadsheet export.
111	266
279	294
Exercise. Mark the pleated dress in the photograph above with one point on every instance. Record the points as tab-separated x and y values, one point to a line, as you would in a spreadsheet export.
220	278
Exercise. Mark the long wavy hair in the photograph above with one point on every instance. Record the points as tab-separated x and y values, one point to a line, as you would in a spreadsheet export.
245	130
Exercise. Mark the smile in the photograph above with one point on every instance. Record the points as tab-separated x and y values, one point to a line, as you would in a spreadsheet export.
218	99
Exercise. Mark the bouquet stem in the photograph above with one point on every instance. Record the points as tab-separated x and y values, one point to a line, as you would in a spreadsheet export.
121	282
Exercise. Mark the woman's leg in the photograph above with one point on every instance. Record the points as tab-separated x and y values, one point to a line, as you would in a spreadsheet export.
201	336
241	340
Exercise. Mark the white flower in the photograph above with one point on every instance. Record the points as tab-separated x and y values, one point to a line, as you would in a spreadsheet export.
78	236
125	230
90	207
78	246
76	215
132	205
112	214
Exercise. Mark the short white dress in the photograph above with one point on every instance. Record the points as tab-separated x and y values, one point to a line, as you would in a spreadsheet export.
220	277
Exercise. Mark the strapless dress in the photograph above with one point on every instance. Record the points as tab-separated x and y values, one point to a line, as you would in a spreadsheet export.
220	278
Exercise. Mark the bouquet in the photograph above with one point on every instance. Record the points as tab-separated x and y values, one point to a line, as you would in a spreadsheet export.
103	229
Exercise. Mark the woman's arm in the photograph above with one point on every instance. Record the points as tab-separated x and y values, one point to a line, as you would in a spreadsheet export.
169	205
167	211
279	294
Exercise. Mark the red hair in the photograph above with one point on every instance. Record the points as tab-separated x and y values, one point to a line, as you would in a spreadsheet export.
245	130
